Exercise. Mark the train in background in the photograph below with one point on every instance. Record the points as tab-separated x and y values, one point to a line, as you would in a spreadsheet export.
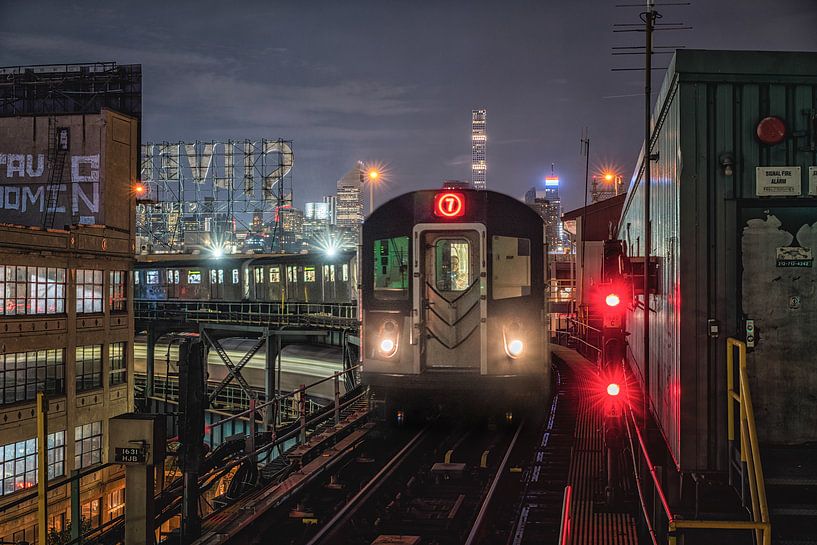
318	277
453	299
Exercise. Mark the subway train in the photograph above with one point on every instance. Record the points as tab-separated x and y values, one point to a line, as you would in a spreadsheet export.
318	277
300	364
453	301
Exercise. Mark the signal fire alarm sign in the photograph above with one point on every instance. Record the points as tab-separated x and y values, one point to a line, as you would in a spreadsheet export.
778	181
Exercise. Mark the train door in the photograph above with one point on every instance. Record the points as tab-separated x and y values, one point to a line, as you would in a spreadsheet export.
449	296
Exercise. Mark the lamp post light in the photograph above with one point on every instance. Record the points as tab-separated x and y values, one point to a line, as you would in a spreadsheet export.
373	175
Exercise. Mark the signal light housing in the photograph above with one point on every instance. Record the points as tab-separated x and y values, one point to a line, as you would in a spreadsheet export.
613	389
612	300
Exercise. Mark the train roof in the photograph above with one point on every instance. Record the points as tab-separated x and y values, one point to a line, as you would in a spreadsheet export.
500	211
234	260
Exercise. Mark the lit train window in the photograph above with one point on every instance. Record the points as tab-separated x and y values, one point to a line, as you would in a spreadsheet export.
275	274
345	272
235	276
194	277
221	276
391	263
309	274
331	273
212	276
452	258
511	267
292	273
259	275
176	277
152	277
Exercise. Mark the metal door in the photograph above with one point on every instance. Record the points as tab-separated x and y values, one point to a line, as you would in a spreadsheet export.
449	303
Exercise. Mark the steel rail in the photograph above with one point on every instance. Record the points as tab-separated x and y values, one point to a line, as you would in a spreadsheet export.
483	510
351	507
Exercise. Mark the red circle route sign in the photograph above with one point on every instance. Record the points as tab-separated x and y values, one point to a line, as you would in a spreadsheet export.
449	204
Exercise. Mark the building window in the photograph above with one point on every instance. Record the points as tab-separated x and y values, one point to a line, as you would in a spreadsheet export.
23	373
116	503
19	462
87	445
117	354
235	276
391	268
56	522
91	513
89	367
118	290
309	274
275	274
89	291
31	290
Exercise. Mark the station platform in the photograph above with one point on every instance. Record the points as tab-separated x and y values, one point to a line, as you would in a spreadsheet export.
590	520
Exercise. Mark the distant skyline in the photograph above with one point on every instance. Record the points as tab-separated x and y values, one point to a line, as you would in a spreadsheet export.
395	82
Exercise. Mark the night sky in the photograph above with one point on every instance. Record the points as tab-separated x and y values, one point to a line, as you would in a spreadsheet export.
395	81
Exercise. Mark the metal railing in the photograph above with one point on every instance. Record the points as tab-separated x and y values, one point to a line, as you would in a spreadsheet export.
567	516
338	315
583	336
750	454
749	444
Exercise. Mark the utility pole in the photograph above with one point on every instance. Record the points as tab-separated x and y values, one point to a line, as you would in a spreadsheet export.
649	22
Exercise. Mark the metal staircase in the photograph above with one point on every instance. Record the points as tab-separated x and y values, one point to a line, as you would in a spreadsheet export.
57	152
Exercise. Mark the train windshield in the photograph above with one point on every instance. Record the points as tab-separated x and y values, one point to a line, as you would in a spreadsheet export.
391	268
511	267
453	264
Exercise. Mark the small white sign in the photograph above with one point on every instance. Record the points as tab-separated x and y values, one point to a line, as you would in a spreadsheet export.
812	180
778	181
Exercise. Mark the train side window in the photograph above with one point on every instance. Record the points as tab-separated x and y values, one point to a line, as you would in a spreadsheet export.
176	277
452	264
259	275
331	273
136	275
275	274
152	277
292	273
212	276
345	272
391	268
221	276
511	267
235	276
194	277
309	274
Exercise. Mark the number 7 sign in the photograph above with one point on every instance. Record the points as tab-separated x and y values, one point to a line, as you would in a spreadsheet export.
449	204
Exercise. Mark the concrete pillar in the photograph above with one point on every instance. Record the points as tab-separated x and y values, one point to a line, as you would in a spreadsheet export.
139	514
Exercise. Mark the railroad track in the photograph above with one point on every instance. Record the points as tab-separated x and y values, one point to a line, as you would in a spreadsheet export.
436	489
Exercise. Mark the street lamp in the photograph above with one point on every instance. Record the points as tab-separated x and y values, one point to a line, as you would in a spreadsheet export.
373	175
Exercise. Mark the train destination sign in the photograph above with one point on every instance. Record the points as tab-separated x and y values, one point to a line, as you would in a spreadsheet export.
130	455
777	181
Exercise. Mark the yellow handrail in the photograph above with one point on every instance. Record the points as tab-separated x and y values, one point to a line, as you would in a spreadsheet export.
749	444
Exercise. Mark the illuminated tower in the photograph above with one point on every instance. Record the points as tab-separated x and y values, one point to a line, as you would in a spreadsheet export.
479	138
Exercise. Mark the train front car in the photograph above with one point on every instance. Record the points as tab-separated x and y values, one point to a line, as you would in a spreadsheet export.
453	301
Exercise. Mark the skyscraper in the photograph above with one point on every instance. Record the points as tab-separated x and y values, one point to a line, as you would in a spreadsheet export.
549	206
349	205
479	138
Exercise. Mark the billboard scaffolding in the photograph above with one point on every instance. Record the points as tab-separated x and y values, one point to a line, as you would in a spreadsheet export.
205	195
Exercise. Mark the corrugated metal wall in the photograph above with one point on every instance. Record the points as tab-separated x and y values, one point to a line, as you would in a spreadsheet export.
709	106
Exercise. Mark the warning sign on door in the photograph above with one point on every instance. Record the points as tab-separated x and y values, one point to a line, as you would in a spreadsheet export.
778	181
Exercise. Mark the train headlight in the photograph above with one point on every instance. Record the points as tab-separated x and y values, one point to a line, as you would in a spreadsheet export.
512	338
387	339
515	348
387	346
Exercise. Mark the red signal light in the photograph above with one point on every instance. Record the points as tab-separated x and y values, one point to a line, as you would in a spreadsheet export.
613	389
449	204
139	189
612	300
771	130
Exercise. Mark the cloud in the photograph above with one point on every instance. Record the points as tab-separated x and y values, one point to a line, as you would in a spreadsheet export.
464	159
